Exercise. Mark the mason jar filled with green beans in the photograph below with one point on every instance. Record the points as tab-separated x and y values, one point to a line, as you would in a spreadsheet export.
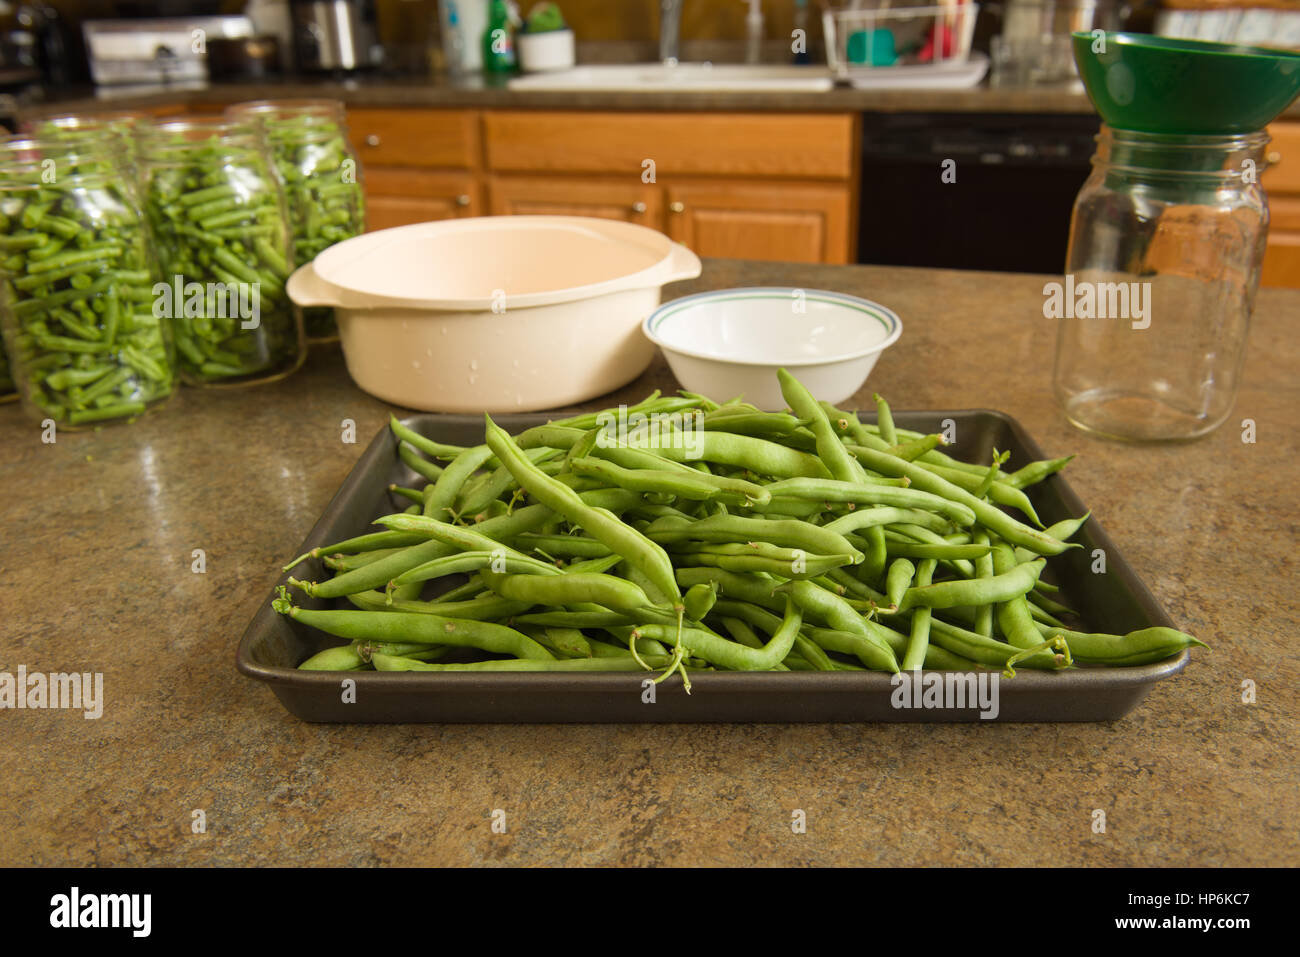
218	219
8	391
308	139
77	280
117	128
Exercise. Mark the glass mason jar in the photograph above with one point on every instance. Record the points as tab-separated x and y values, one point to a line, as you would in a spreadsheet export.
76	285
8	391
116	126
308	139
1163	265
217	216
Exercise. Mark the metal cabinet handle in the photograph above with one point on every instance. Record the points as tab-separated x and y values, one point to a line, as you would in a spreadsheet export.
638	207
677	207
462	199
372	139
1273	158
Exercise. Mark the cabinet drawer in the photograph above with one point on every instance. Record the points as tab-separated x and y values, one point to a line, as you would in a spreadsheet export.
716	144
625	198
422	138
1283	172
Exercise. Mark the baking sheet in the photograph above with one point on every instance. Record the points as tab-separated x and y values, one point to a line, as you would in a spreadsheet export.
1115	601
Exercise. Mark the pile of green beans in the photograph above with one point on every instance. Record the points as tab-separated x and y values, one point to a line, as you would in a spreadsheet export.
800	541
318	168
218	222
77	274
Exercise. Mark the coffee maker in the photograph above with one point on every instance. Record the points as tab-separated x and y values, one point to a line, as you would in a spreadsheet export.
335	36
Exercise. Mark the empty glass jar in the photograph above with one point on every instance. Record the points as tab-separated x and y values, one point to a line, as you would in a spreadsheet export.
1163	265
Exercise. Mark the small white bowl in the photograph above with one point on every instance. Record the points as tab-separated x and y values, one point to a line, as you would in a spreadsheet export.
731	341
544	52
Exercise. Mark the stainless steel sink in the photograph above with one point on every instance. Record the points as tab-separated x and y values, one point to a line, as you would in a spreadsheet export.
704	77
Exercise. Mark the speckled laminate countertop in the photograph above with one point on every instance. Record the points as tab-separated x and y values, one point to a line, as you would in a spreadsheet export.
96	536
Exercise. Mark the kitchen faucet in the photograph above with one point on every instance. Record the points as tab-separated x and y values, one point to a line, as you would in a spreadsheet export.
670	29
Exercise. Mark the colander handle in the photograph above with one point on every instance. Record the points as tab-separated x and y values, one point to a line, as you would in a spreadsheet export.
305	288
682	264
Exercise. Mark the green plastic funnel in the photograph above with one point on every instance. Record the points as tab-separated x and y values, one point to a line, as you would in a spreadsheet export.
1165	85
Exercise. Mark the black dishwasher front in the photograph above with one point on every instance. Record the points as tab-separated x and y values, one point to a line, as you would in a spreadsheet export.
971	190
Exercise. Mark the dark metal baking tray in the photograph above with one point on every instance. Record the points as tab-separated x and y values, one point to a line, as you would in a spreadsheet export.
1115	601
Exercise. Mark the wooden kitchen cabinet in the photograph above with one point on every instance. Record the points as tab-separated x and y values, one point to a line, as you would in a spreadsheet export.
754	186
1281	180
630	201
772	220
771	186
418	165
400	197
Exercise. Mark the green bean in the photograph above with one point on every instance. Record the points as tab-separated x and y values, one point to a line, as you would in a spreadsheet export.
876	552
924	550
840	616
339	658
740	529
345	563
757	455
474	561
686	484
386	663
837	460
567	588
745	587
1036	472
439	497
411	458
599	524
415	628
483	608
988	515
899	579
885	421
561	546
886	515
857	645
984	568
1141	647
761	557
362	543
829	490
920	634
731	655
698	600
998	492
978	591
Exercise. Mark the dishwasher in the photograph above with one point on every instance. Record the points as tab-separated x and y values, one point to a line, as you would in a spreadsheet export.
971	190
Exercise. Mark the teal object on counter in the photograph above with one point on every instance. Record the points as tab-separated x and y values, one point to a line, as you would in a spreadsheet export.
1154	84
875	47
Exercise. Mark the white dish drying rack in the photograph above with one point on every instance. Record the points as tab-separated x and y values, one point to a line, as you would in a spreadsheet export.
871	37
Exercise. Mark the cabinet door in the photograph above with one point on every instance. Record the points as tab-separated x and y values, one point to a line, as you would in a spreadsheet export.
1281	180
762	219
633	202
400	197
1282	261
